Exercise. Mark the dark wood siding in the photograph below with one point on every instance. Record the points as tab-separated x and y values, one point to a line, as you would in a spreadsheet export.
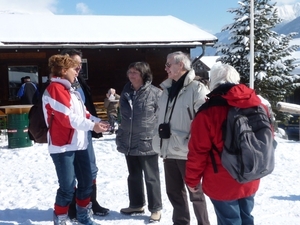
106	66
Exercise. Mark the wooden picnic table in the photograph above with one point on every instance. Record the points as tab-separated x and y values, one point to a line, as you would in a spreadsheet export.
14	109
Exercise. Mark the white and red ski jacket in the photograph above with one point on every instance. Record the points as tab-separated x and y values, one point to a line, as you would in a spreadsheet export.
67	116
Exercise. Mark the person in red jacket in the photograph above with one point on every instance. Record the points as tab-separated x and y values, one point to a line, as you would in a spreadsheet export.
233	202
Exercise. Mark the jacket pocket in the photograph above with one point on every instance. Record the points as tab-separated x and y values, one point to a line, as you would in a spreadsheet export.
179	143
145	143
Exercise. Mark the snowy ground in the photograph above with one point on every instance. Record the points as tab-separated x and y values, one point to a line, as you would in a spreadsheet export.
28	186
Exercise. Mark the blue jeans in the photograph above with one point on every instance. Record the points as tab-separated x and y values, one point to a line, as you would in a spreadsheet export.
236	212
69	165
91	152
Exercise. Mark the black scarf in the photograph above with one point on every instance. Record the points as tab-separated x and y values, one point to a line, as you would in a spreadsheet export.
176	87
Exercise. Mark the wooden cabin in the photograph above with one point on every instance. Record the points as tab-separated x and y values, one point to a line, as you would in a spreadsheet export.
108	43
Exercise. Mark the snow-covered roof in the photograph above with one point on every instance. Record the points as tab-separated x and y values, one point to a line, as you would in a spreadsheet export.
209	60
48	30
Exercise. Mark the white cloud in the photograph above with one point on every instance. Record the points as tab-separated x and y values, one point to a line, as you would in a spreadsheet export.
32	6
83	8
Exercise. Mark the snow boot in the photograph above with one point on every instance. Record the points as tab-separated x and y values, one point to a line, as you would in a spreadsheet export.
84	215
61	219
155	217
131	211
98	210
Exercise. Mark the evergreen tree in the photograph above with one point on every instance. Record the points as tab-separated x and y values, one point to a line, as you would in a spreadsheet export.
272	53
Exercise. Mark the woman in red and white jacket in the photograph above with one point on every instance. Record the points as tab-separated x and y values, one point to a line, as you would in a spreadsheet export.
68	122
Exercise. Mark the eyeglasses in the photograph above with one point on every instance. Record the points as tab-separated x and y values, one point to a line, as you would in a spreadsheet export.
168	65
133	72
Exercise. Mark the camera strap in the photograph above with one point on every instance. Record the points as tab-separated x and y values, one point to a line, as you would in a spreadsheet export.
171	109
170	113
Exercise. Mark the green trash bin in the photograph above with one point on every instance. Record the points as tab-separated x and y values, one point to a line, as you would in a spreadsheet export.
3	128
17	131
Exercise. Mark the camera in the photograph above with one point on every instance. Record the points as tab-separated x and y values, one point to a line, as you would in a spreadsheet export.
164	130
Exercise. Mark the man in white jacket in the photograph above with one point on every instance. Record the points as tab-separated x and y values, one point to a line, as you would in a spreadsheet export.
180	100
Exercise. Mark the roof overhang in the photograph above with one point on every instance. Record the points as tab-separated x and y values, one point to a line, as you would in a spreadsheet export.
106	45
90	31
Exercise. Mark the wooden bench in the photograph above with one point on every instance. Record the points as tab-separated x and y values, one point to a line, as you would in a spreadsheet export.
100	110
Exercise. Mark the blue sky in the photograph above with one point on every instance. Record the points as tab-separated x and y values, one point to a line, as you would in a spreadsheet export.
209	15
203	13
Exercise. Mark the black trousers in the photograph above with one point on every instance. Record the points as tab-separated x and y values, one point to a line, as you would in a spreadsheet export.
176	191
147	165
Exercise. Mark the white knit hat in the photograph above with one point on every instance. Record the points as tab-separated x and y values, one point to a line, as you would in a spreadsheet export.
221	74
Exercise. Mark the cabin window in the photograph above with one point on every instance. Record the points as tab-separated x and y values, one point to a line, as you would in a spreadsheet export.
15	75
84	69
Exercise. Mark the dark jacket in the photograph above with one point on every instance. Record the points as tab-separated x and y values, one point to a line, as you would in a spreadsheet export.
138	120
207	130
28	93
89	104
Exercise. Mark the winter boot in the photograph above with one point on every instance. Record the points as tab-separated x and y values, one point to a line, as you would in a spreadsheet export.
72	208
131	211
84	215
61	219
155	216
98	210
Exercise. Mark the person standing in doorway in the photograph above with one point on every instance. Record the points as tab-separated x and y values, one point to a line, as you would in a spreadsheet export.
138	104
84	90
180	100
28	92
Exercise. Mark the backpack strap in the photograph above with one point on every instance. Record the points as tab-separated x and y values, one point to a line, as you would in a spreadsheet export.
212	156
50	125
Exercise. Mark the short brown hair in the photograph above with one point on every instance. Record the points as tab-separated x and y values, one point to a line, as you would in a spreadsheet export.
59	62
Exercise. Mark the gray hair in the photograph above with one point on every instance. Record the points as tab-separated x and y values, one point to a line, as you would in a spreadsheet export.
181	57
221	74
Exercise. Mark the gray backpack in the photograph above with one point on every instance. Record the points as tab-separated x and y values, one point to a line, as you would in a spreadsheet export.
249	145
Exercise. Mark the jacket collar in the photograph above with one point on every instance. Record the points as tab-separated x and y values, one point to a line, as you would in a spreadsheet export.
188	79
62	81
238	95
